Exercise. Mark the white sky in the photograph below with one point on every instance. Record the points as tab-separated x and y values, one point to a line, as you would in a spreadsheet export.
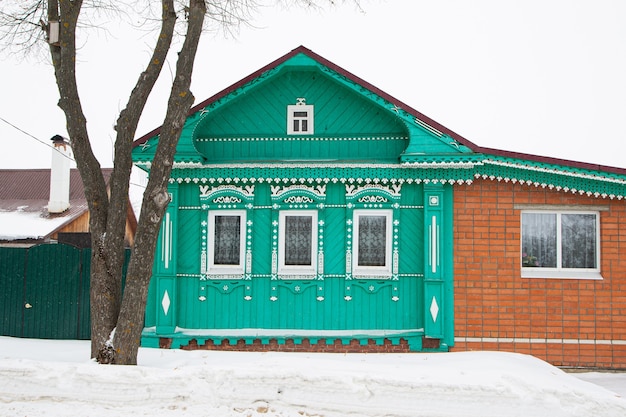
534	76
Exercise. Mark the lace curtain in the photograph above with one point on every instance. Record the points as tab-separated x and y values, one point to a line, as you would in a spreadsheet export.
298	240
372	240
227	242
578	235
539	240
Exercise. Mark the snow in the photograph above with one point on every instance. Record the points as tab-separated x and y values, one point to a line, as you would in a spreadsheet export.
27	225
55	378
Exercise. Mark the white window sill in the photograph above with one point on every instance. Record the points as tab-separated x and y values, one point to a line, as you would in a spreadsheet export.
299	277
371	273
225	271
545	273
297	273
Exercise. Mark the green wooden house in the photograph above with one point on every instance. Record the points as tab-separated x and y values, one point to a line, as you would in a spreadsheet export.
310	211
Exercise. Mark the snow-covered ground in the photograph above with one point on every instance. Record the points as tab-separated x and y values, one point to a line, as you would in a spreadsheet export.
55	378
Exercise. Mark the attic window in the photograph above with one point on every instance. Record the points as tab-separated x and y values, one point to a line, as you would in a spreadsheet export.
300	118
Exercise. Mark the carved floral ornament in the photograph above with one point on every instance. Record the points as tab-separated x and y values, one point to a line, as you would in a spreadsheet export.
319	181
392	189
318	190
597	191
373	199
206	192
298	199
226	199
582	182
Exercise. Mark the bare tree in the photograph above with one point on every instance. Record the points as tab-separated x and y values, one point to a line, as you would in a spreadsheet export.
116	321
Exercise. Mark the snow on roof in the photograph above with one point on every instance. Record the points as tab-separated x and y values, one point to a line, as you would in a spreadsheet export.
24	195
18	225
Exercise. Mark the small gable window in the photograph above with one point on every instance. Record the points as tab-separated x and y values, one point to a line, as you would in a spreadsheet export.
300	118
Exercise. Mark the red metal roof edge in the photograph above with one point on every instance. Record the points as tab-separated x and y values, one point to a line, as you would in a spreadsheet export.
466	142
35	183
550	160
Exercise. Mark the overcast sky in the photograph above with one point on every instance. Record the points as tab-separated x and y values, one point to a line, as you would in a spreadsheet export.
545	77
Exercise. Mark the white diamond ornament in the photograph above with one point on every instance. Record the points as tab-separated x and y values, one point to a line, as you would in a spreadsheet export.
434	309
165	302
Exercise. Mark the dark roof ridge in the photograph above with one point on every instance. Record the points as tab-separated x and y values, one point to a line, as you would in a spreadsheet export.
550	160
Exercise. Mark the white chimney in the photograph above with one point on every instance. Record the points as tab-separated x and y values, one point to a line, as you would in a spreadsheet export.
60	175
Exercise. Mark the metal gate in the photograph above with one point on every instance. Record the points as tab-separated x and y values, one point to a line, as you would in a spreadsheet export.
45	292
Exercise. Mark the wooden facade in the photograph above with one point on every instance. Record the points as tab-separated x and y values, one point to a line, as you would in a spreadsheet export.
311	211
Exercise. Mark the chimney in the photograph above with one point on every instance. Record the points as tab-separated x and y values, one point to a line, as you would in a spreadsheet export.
60	175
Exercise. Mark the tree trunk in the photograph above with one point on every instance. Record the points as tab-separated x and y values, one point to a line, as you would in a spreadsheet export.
103	288
106	289
107	221
156	197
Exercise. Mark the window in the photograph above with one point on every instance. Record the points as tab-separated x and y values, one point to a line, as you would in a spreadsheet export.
372	238
297	243
560	244
226	242
300	118
300	121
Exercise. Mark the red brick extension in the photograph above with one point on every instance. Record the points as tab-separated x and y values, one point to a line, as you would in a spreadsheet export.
567	322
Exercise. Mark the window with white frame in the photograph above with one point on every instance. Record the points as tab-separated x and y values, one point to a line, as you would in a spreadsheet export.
227	234
372	240
300	118
560	244
297	243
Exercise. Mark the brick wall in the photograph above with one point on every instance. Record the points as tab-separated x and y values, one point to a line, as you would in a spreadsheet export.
567	322
304	345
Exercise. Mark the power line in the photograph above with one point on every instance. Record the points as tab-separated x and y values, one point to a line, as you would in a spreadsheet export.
34	137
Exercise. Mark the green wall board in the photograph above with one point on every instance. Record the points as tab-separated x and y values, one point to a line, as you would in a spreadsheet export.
186	301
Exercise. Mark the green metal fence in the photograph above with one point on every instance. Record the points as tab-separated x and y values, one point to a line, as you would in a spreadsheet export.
45	292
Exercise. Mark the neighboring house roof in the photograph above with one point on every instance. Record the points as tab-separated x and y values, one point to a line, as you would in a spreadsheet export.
24	196
446	150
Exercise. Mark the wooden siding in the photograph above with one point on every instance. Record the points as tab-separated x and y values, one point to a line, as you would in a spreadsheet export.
253	126
332	302
227	309
81	225
338	110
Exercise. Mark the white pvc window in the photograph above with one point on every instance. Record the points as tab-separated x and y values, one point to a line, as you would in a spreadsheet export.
227	234
560	244
300	120
372	240
297	244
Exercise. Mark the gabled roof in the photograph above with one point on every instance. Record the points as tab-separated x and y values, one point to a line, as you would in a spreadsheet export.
24	196
580	177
